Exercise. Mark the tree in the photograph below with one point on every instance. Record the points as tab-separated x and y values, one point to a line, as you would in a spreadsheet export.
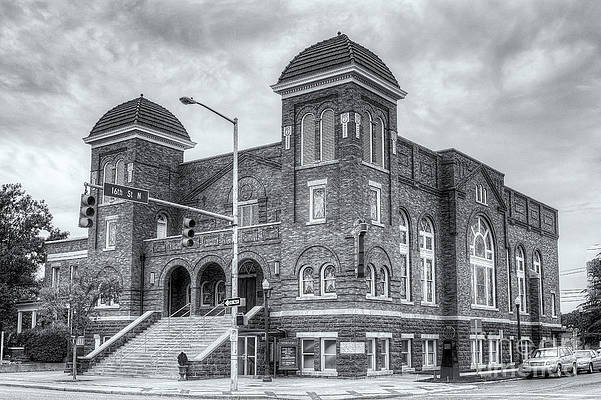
592	307
76	298
22	220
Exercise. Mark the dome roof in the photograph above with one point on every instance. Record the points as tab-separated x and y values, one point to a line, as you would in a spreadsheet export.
334	53
143	112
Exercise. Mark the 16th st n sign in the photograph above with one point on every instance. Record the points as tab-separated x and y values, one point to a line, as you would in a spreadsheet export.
126	193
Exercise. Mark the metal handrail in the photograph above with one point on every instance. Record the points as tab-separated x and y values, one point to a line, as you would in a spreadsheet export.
180	338
125	350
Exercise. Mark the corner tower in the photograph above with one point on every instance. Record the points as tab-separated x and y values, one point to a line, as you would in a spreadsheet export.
138	143
339	131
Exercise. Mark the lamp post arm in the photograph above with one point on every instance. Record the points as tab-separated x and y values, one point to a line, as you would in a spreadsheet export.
233	121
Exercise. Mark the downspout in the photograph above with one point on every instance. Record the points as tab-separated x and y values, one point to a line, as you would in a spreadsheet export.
142	263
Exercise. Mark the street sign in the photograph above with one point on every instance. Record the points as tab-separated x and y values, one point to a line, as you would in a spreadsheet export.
126	193
234	301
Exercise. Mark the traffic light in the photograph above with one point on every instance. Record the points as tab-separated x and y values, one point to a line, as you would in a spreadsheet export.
188	232
87	211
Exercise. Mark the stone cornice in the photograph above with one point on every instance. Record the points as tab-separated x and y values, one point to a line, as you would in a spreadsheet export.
136	131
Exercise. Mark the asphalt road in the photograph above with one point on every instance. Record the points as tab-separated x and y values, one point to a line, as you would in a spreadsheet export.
17	393
583	386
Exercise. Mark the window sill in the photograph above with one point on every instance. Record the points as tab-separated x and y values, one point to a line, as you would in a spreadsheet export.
482	203
316	164
324	297
382	372
481	307
108	249
428	304
405	368
318	222
377	223
319	373
407	302
114	307
377	298
430	368
374	166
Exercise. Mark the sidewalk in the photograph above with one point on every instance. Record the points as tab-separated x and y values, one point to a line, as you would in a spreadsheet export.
292	388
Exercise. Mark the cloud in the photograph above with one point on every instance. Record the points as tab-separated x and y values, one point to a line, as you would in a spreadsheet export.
516	84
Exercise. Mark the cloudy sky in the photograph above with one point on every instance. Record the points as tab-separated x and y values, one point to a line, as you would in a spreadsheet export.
515	84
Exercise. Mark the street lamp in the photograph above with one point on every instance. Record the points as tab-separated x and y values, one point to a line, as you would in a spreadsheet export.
234	334
518	304
266	290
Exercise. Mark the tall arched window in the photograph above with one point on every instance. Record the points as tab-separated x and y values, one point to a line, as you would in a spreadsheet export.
326	127
427	257
520	273
308	139
113	172
404	272
537	264
328	280
382	289
306	281
161	226
482	262
377	143
370	280
206	294
120	172
368	131
219	292
373	140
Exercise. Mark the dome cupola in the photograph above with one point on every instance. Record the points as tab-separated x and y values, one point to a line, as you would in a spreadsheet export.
333	61
142	118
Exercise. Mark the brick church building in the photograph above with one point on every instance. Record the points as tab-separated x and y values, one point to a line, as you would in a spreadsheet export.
444	241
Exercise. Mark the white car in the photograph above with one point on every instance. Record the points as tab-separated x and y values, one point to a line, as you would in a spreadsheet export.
549	361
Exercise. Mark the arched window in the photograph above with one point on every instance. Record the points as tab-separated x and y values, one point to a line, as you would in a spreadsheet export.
373	140
404	271
308	139
206	294
328	280
161	226
108	176
537	264
306	281
520	273
427	256
370	280
120	172
382	289
326	127
377	143
219	292
368	131
482	262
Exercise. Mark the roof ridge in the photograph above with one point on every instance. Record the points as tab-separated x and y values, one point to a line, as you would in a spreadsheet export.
349	47
138	108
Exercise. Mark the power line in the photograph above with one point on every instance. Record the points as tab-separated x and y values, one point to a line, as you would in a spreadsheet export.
572	272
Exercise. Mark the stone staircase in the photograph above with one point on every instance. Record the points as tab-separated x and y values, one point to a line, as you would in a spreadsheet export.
154	352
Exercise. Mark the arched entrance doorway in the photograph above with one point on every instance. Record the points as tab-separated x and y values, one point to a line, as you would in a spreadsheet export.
250	277
211	284
179	290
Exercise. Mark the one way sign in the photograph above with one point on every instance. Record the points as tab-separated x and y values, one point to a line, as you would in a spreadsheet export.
234	301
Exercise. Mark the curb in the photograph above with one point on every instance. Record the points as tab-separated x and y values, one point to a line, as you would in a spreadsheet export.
138	393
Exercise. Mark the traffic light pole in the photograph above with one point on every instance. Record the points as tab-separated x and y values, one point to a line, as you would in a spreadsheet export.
176	205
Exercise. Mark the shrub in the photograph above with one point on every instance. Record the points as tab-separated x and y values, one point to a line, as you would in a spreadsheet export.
46	344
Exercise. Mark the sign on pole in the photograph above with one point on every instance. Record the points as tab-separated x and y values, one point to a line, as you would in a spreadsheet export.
233	301
126	193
